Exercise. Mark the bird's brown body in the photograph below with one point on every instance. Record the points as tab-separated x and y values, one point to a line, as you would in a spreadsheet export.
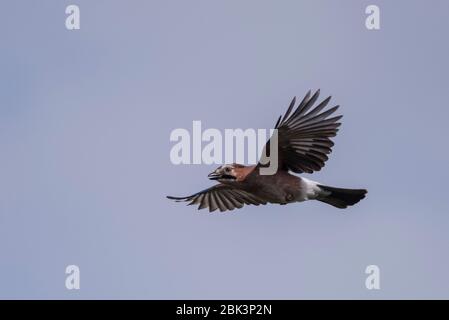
303	143
282	187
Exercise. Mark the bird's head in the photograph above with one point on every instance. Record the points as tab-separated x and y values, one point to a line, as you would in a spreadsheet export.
225	173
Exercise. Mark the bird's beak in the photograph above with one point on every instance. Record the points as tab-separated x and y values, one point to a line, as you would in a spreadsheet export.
214	175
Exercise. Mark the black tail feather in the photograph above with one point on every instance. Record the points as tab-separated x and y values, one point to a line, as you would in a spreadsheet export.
341	198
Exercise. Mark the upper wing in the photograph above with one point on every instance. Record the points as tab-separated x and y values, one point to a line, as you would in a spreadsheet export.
222	197
304	136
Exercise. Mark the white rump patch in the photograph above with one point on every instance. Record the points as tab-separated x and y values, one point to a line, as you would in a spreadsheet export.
311	189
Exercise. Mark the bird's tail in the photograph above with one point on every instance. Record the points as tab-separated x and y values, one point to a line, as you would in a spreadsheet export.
339	197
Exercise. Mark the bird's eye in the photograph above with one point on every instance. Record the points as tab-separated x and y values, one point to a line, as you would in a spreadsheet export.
227	169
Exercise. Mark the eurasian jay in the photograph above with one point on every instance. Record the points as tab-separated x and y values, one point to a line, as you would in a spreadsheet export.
303	143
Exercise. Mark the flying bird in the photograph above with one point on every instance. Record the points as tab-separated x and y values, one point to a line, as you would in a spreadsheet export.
303	142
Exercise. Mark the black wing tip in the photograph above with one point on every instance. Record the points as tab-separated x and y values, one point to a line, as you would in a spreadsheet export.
178	199
316	94
278	122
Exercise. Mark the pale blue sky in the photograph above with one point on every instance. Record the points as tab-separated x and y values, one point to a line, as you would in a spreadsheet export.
85	119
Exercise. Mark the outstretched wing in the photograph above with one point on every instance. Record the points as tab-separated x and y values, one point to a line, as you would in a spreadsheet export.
222	197
304	136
